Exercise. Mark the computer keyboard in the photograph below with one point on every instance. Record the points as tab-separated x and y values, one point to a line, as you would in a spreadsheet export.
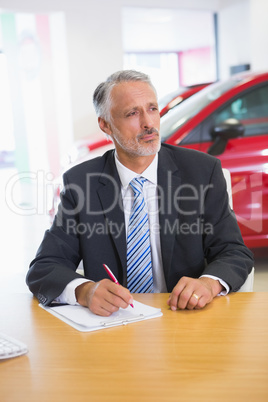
10	347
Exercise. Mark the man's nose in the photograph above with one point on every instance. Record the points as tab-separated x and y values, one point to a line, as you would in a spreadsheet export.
146	120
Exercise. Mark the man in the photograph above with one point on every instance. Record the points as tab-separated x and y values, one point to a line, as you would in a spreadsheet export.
195	250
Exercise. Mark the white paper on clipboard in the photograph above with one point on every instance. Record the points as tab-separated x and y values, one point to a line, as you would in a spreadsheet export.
82	319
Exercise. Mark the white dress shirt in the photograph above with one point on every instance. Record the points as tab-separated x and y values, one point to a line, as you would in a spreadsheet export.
151	201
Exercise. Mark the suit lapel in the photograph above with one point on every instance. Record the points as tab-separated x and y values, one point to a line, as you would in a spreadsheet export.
168	181
111	201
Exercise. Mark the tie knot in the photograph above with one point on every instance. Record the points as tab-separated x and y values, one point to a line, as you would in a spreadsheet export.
137	184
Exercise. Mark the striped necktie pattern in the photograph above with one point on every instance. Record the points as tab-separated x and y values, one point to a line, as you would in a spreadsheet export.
139	262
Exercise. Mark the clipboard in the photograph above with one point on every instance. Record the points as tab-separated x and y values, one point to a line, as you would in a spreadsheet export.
82	319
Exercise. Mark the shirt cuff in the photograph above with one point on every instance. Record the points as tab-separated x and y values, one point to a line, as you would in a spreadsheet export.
68	294
223	283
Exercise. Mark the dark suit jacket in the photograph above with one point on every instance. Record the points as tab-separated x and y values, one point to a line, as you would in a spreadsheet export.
198	230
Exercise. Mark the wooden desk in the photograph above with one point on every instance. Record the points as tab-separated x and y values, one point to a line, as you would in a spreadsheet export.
217	354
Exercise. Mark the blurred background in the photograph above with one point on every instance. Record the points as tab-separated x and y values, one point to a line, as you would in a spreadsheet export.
53	54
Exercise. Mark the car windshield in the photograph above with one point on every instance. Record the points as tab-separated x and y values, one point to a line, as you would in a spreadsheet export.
181	113
162	102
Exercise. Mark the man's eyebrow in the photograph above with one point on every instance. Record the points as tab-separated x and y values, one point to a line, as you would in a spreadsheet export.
134	108
148	104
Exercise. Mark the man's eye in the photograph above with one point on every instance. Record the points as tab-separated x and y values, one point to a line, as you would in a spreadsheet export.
131	114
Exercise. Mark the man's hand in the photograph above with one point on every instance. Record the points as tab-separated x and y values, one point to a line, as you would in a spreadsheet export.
103	297
192	293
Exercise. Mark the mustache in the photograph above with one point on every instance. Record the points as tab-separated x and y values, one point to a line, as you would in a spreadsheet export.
147	132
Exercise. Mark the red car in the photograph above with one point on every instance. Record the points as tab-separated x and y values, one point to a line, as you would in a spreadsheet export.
228	119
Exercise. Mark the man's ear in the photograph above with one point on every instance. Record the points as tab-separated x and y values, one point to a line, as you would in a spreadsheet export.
104	126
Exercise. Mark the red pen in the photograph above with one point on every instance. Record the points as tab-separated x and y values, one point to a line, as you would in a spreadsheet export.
111	275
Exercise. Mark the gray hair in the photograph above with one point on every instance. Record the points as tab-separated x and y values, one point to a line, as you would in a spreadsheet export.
102	94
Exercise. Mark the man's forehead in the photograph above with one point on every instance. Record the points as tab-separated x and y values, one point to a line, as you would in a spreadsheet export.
131	91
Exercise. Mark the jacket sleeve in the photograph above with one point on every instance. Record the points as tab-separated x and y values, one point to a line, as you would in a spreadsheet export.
58	255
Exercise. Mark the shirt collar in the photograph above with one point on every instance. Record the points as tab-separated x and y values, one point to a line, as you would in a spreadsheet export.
126	175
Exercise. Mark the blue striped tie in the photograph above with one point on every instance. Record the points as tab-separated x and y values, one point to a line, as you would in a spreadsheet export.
139	263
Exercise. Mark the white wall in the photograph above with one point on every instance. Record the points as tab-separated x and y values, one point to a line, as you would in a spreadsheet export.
259	34
243	35
95	50
234	36
166	30
94	46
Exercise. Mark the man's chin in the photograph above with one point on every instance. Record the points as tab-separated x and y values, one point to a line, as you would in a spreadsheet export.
151	148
